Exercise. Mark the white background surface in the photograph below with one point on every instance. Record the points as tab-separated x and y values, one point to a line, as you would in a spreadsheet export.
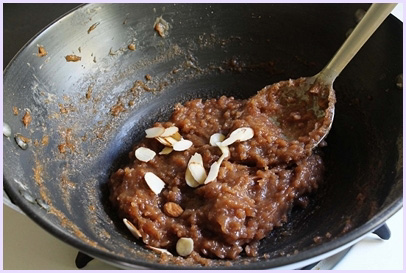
27	246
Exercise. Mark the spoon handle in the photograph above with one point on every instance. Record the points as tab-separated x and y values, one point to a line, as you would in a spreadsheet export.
375	15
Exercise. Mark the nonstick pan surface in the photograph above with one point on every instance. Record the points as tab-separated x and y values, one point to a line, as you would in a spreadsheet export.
209	50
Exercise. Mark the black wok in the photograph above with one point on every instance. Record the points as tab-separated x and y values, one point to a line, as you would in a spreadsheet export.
209	50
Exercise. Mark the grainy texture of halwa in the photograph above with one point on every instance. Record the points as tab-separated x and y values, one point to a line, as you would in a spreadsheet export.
256	187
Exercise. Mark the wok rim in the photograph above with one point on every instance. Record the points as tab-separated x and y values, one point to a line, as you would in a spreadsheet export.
344	241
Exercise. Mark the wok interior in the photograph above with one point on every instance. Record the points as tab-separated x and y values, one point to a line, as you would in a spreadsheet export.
211	50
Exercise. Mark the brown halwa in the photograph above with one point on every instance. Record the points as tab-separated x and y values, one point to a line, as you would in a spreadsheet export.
256	187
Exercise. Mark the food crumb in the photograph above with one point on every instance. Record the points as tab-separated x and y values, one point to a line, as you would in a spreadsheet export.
125	19
131	47
27	118
62	148
161	26
111	52
148	77
41	51
347	226
62	109
266	256
322	144
360	198
25	139
141	84
117	109
68	138
38	173
89	92
65	109
317	239
15	110
92	27
72	58
45	140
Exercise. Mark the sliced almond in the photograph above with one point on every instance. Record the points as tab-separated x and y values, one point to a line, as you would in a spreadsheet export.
224	149
163	141
190	181
166	151
215	167
144	154
171	140
184	246
196	158
154	132
198	172
170	131
231	139
247	133
177	136
154	182
159	250
196	168
217	137
240	134
182	145
134	231
213	172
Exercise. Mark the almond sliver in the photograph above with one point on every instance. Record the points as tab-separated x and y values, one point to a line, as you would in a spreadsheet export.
196	158
177	136
196	168
134	231
231	139
154	132
170	131
247	133
144	154
214	171
159	250
217	137
240	134
198	172
224	149
166	151
190	181
163	141
182	145
171	140
215	167
154	182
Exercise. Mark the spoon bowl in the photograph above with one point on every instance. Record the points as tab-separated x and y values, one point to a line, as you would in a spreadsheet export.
308	104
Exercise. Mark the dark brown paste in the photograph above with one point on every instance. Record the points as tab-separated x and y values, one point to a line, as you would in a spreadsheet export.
256	187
